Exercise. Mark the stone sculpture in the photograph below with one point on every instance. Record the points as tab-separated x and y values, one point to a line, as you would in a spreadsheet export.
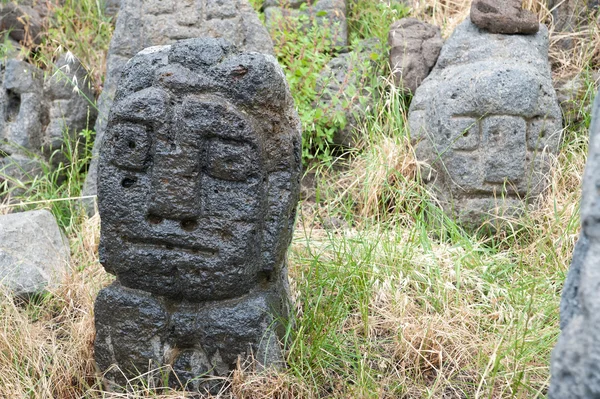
145	23
503	16
415	47
198	184
575	371
329	14
38	111
485	122
34	254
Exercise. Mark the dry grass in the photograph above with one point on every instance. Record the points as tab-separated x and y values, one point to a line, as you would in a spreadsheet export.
46	345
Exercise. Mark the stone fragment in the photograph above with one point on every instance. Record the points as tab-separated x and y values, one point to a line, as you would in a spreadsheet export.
574	368
34	255
24	23
415	47
146	23
38	112
198	184
570	16
345	87
571	93
503	16
111	7
485	122
327	14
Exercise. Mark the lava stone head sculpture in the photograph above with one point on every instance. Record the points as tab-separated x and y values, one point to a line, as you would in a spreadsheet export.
199	173
485	121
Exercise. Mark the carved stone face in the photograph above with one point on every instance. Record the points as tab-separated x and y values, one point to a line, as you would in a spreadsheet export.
191	204
491	141
485	121
196	189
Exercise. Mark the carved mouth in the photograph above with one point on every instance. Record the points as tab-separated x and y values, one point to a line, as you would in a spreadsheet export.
158	244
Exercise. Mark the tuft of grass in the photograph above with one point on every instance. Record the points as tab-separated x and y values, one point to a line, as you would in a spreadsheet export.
46	346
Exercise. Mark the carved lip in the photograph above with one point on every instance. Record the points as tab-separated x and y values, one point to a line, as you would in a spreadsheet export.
162	244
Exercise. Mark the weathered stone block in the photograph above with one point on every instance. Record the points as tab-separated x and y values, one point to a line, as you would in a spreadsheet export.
34	255
146	23
415	47
198	184
485	122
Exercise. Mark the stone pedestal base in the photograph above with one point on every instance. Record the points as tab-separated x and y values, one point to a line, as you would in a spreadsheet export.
137	333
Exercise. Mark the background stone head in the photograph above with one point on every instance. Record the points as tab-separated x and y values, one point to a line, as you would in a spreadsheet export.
199	172
485	120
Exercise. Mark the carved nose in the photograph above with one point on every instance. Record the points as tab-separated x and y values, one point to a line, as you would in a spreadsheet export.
505	148
176	186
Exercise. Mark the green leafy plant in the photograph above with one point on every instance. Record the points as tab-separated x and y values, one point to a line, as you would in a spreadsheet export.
303	48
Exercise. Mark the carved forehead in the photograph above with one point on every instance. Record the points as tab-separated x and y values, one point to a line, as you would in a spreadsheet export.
212	117
208	65
488	88
247	90
188	119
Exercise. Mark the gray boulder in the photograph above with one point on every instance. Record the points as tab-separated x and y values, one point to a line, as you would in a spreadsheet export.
415	47
328	14
575	370
146	23
485	122
198	184
345	87
34	255
503	16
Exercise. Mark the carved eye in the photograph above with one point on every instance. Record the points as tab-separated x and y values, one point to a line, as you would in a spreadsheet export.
463	133
130	147
232	161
